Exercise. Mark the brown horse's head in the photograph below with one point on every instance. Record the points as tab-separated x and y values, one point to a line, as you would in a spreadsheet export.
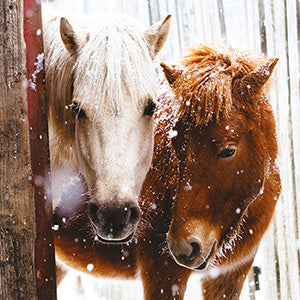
225	143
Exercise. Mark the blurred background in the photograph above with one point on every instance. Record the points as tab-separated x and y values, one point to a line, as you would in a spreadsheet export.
268	26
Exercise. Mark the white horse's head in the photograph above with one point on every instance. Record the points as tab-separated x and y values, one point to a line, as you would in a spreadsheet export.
113	100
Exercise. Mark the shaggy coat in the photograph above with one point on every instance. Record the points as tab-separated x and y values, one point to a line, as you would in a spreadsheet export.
101	90
211	192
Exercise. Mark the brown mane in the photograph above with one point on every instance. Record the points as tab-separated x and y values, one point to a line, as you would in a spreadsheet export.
207	80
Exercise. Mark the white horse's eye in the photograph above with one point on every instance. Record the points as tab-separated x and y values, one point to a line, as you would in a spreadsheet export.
77	109
150	108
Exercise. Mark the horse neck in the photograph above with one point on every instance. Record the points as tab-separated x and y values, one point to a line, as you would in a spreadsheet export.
161	181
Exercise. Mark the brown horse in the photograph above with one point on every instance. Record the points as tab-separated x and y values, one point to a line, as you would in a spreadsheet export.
211	191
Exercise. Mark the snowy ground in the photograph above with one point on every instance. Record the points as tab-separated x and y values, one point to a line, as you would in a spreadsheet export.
78	286
86	287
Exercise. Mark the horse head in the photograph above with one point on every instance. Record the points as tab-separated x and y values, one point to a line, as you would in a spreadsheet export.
107	114
226	146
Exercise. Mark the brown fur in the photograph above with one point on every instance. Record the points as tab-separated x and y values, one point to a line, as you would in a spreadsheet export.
189	189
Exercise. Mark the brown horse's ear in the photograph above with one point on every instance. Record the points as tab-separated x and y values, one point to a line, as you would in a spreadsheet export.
252	83
68	36
171	73
157	35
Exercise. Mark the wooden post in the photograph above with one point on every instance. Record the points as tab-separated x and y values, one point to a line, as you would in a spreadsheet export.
27	267
37	114
17	218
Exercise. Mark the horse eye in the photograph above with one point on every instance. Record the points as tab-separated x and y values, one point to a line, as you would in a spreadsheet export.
226	153
150	108
76	108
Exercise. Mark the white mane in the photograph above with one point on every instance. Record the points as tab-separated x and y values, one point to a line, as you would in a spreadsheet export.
113	61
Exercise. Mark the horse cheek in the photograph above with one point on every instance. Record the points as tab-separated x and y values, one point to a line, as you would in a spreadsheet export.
84	154
145	142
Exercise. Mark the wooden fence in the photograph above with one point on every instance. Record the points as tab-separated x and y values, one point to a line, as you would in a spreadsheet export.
269	26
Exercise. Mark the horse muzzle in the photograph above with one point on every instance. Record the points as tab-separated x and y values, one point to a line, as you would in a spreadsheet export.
114	223
191	253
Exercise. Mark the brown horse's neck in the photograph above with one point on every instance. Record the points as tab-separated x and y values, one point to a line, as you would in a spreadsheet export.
160	185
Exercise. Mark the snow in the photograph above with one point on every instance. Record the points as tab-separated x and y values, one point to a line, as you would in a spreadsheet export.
173	133
175	289
188	187
39	64
90	267
238	210
55	227
153	206
79	286
214	272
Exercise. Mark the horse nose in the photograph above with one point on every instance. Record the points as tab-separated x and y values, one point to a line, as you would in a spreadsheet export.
114	223
189	253
186	250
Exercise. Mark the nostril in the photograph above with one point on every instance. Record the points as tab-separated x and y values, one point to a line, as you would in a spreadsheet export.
134	214
116	218
195	251
93	208
93	211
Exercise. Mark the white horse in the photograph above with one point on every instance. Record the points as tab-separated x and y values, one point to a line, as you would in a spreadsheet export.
101	86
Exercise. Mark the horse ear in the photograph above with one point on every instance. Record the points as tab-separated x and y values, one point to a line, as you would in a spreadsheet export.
252	83
157	34
68	36
171	73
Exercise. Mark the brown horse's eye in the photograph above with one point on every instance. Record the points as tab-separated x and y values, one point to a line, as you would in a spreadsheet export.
150	108
228	152
77	109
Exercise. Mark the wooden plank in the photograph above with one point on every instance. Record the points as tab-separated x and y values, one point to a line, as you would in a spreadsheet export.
37	114
222	19
17	219
262	27
268	252
175	31
190	27
293	18
268	277
286	215
294	127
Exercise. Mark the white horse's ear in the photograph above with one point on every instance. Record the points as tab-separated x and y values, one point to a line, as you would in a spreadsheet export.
69	37
157	34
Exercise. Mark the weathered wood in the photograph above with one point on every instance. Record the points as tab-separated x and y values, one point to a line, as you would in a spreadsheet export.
17	220
286	233
37	114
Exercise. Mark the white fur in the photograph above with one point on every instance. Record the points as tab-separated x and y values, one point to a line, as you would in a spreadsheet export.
113	78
